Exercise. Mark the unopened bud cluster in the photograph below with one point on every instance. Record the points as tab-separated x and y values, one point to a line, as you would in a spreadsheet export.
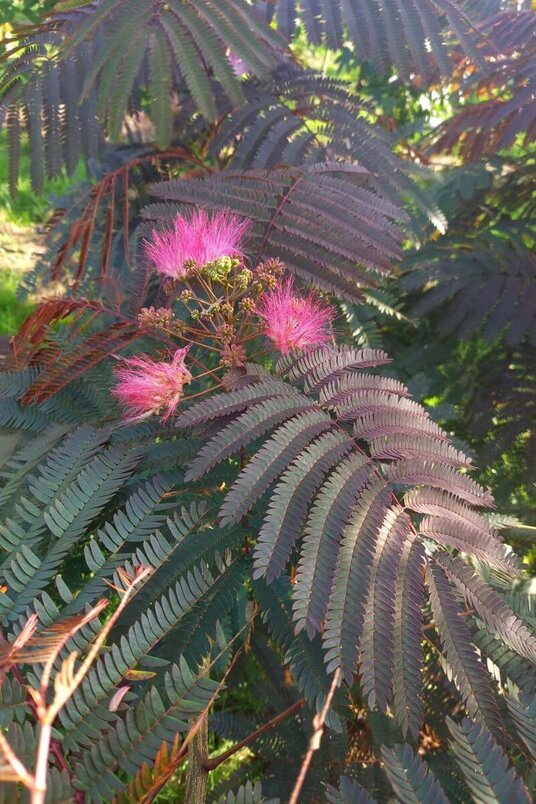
233	355
160	318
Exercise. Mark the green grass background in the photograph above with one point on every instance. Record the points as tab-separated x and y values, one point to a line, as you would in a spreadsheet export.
20	217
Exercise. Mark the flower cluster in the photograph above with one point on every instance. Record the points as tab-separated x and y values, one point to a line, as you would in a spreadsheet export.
146	386
226	306
195	241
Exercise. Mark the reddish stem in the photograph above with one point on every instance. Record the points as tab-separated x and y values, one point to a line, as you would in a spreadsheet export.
213	762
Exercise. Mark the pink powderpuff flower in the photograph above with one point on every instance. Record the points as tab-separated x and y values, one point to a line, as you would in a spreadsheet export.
146	386
196	239
294	322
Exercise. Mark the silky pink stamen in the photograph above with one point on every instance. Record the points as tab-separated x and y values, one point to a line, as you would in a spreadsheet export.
146	386
197	238
292	321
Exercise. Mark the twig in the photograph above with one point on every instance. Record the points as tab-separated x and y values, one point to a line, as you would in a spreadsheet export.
196	775
314	743
182	753
213	762
62	695
67	681
19	770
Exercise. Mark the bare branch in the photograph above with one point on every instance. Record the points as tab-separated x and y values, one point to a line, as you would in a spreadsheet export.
314	743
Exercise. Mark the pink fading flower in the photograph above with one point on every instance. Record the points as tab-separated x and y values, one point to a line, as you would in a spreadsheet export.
294	322
197	239
238	64
146	386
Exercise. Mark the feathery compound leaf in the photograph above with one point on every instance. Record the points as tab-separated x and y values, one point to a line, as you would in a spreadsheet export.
359	577
468	672
523	711
351	584
269	463
377	644
323	533
332	258
411	778
350	792
407	638
490	607
290	501
485	766
247	427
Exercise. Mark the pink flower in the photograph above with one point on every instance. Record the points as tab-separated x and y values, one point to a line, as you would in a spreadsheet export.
238	64
294	322
146	386
196	239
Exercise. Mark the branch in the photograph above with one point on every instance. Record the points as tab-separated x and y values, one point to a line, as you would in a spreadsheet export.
181	754
314	743
179	757
213	762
